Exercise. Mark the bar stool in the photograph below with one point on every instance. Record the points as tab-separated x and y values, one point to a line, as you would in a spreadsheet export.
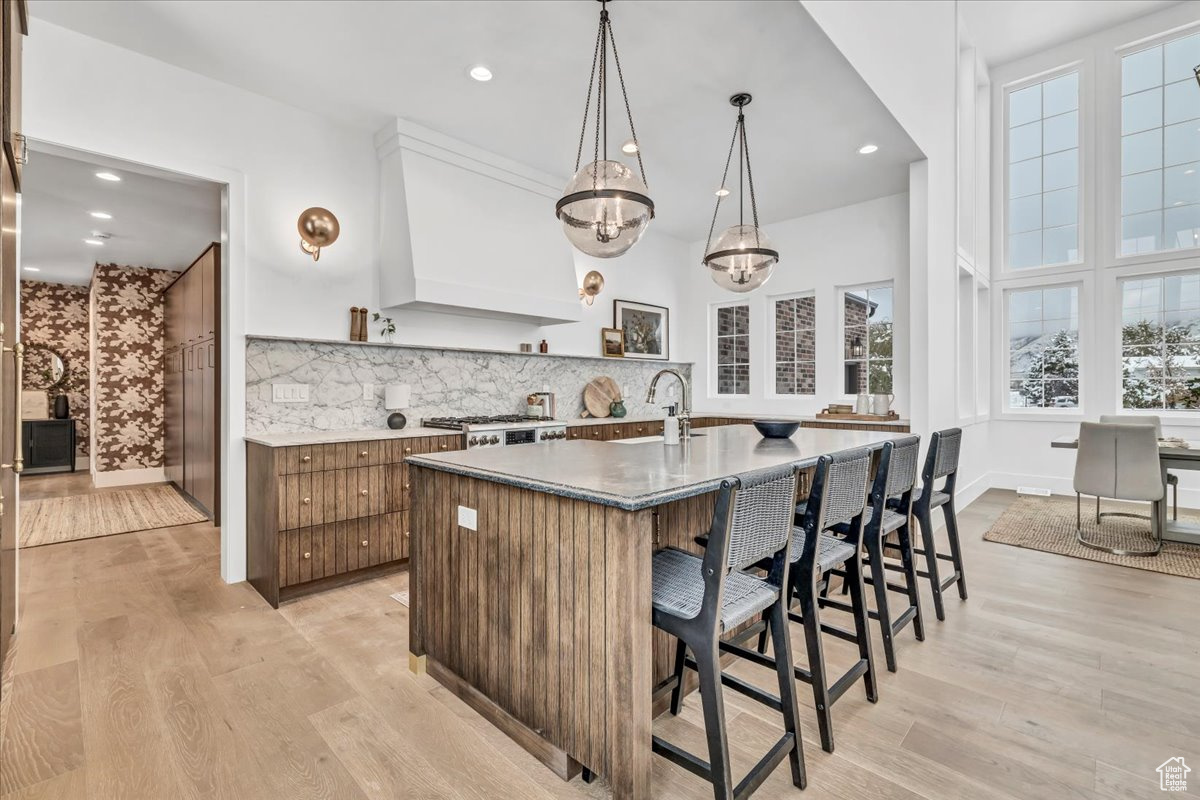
699	598
889	511
838	497
941	462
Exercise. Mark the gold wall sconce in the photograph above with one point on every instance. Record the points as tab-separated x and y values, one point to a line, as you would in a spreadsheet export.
593	284
318	228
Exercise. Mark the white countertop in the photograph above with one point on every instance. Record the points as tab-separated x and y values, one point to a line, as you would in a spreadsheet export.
633	476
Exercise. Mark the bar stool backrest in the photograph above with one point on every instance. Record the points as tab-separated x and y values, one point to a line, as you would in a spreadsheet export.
838	495
900	457
941	461
756	523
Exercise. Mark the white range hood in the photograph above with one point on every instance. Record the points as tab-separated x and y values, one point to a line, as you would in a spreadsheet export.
464	231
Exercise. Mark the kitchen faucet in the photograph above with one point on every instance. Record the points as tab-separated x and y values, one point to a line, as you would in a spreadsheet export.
685	418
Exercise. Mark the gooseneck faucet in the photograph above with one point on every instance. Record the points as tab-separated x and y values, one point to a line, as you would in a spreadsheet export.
685	418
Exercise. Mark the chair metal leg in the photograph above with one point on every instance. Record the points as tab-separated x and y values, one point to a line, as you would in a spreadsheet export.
879	584
862	627
709	667
1175	501
677	692
781	640
955	547
809	606
908	561
1156	515
925	521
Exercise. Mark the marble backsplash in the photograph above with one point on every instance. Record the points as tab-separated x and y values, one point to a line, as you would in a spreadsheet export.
445	382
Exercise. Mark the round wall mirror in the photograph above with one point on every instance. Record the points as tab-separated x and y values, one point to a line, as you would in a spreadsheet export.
45	369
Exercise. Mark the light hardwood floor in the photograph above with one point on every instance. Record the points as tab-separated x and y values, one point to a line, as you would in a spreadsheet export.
139	674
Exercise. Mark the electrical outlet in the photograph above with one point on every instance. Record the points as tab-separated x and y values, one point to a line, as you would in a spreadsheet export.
289	392
468	518
368	391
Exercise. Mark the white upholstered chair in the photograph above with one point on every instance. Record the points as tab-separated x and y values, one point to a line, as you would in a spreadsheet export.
1119	462
1156	421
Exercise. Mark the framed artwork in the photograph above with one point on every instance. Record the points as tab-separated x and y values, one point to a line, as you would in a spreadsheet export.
612	342
646	329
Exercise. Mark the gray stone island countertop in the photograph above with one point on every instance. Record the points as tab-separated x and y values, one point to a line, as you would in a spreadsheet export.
640	474
305	438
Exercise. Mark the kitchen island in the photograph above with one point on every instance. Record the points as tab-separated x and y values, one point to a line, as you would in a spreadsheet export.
530	580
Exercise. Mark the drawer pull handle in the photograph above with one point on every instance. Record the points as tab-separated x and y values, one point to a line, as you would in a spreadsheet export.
407	450
445	446
308	555
306	500
406	486
306	459
363	454
364	542
363	492
407	534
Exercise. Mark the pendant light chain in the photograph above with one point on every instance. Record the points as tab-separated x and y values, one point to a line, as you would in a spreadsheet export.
587	106
625	97
724	175
749	175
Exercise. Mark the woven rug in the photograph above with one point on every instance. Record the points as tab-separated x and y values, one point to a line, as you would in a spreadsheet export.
86	516
1048	524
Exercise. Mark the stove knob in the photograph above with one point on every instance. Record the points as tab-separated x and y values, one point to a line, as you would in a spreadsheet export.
494	440
474	440
544	437
562	434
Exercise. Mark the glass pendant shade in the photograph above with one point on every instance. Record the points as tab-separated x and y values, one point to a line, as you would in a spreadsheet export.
605	209
741	259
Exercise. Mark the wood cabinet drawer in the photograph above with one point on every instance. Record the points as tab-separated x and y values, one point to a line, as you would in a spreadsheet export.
341	455
330	496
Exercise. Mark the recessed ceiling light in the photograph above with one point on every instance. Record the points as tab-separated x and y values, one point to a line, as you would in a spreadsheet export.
100	215
722	192
108	176
32	269
867	149
481	73
95	242
629	147
1189	172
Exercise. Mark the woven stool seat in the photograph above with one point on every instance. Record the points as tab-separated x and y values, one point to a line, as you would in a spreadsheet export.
679	589
834	551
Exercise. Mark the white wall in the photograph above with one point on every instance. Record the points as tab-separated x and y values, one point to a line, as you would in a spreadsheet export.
1020	452
861	244
276	161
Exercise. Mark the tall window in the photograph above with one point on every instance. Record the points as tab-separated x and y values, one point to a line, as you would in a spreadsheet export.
1160	342
796	346
1043	348
867	323
733	349
1043	173
1160	148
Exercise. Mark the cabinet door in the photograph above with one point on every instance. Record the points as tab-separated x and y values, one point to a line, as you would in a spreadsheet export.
206	448
208	266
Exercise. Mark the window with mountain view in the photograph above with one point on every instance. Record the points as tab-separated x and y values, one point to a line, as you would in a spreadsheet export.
1160	342
1043	347
867	327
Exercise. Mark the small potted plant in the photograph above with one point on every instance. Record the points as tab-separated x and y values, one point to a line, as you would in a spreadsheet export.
387	327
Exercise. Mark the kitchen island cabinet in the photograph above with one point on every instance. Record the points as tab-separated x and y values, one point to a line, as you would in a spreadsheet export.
530	581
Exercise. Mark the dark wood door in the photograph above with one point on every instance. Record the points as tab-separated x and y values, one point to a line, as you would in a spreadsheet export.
173	415
191	420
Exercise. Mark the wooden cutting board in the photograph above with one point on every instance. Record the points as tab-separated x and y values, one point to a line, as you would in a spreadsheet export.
599	394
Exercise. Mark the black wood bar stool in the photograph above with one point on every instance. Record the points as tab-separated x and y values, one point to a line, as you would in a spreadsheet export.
889	511
838	497
941	463
699	598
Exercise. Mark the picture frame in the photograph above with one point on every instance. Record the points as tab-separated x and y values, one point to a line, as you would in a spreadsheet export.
612	342
646	329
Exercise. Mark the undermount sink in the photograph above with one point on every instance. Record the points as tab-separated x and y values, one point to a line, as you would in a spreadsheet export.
647	439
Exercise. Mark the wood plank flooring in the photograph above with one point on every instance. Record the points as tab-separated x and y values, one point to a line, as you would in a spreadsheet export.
138	674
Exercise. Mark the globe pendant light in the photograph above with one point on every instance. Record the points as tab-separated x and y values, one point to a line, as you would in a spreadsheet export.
742	258
605	208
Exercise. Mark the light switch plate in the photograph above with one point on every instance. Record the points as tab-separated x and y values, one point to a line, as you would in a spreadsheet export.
368	391
468	518
289	392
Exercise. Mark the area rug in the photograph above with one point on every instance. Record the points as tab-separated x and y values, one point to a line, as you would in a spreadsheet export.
1048	524
87	516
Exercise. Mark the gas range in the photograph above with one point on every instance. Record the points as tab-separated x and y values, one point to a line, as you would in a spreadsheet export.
501	431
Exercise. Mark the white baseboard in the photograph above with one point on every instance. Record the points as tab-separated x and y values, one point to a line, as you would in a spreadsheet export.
129	477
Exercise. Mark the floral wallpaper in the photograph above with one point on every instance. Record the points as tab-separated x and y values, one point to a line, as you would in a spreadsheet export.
129	387
55	315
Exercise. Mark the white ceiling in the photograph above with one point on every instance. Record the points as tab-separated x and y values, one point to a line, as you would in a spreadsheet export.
158	219
366	62
1006	30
